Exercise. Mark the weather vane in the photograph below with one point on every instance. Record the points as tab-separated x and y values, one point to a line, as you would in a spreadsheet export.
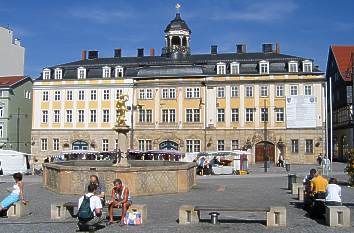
177	7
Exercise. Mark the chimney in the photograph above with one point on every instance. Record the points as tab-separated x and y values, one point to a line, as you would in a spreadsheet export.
93	54
214	49
267	48
152	52
277	48
118	52
240	48
141	52
83	55
17	41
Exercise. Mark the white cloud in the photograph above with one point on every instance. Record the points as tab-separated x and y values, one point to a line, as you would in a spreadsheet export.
100	15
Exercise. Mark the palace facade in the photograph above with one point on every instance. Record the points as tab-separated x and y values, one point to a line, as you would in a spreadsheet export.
266	102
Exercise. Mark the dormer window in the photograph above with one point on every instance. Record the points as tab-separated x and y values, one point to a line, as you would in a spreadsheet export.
119	72
235	68
221	68
293	67
263	67
106	72
58	73
307	66
81	73
46	73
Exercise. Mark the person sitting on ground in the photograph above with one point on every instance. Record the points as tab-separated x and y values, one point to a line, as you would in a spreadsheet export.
16	194
90	209
101	189
333	193
120	199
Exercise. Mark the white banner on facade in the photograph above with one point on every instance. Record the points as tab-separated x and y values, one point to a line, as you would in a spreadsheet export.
301	111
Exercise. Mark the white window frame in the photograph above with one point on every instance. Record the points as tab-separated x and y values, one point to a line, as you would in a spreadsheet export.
309	150
279	89
119	92
56	144
105	115
220	92
58	73
81	95
93	115
249	91
106	72
105	144
306	64
264	113
81	73
235	145
308	90
106	94
69	116
45	96
119	72
249	115
44	144
148	93
93	95
57	95
1	130
46	74
44	116
56	116
192	115
2	109
235	68
293	67
279	114
294	88
192	145
235	114
220	68
263	91
221	145
234	91
294	145
220	115
263	67
69	95
81	117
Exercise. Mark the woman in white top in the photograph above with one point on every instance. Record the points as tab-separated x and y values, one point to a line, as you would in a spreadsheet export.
16	194
333	193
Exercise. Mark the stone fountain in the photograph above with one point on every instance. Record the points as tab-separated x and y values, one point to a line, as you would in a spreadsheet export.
141	176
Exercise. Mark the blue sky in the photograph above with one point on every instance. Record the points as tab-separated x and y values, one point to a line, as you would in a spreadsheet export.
55	32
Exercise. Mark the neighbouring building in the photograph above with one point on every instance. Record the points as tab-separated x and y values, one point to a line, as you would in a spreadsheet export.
266	102
15	113
12	54
340	68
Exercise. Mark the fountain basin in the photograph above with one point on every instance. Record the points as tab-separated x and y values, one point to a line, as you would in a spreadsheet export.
142	177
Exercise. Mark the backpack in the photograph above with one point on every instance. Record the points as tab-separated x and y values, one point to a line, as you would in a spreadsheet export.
85	214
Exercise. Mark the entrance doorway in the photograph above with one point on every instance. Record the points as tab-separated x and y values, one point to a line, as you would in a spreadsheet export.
168	145
264	149
80	145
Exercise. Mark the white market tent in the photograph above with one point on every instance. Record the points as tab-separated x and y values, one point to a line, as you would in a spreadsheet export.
14	161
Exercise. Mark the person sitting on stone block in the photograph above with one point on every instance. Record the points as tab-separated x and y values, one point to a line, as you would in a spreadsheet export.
333	193
90	209
120	199
16	194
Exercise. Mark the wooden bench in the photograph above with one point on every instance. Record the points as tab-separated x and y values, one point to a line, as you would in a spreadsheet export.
61	211
276	216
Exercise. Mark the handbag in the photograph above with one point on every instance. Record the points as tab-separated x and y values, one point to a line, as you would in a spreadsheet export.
133	218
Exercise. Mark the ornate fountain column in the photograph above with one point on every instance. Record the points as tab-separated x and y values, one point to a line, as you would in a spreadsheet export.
122	130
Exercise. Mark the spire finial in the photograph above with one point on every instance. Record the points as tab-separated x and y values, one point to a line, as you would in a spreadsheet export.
177	7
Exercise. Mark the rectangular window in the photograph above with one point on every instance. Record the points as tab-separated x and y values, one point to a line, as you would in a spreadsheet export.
93	95
148	93
44	116
264	68
1	111
55	144
45	95
44	144
221	92
308	90
196	92
189	115
193	115
172	115
192	92
309	146
307	67
249	91
69	95
56	116
142	116
1	131
119	93
234	145
165	93
148	115
279	112
221	69
292	67
280	91
234	115
142	94
264	91
295	146
164	115
105	144
81	114
221	145
142	145
189	93
196	112
293	90
93	114
105	115
81	95
234	69
193	145
249	114
148	144
106	94
264	114
69	116
172	93
168	93
57	95
234	91
116	144
221	115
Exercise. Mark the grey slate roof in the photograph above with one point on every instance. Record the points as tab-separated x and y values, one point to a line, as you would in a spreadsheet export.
193	65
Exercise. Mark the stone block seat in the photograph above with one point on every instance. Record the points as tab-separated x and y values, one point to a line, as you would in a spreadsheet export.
188	214
295	188
338	216
17	210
